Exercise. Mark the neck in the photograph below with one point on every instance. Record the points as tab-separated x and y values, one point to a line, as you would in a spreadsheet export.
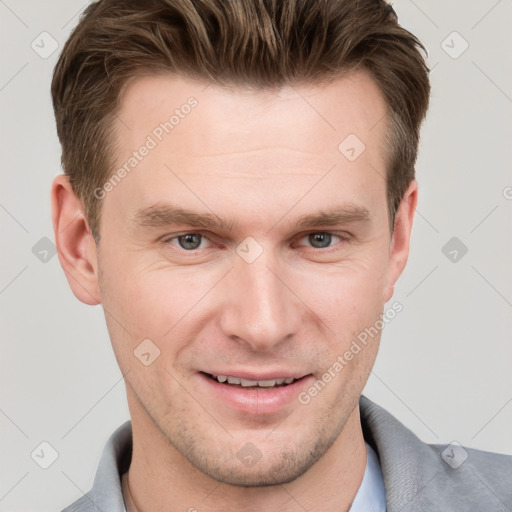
160	478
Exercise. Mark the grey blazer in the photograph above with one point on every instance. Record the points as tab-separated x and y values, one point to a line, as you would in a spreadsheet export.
417	476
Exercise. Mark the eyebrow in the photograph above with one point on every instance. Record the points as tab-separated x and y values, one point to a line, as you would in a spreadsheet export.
165	215
347	214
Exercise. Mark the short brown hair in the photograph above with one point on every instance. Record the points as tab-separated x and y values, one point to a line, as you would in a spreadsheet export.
245	43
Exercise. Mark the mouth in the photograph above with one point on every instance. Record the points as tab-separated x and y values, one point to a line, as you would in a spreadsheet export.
262	384
255	395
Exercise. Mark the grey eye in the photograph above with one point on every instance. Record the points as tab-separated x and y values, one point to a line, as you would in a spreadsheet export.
320	240
190	241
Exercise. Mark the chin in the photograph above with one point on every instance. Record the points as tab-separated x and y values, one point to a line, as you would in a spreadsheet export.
256	477
285	467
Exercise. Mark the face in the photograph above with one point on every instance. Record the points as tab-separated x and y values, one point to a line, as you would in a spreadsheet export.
246	243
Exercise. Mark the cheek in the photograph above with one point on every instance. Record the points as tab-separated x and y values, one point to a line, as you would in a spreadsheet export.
346	294
145	296
154	301
348	300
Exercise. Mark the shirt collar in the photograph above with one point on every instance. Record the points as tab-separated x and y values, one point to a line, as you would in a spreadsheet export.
371	495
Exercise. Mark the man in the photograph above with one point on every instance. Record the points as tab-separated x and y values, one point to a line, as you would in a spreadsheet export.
239	195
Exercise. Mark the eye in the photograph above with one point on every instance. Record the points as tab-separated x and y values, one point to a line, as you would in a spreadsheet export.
324	239
188	241
320	240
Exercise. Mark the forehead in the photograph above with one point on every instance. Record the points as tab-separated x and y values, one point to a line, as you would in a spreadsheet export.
259	118
211	146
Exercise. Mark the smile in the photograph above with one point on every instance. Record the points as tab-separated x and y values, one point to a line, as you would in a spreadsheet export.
246	383
254	393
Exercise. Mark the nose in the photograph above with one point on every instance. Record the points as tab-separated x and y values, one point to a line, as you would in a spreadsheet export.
261	310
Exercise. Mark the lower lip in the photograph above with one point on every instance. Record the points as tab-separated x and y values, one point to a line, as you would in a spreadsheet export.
256	401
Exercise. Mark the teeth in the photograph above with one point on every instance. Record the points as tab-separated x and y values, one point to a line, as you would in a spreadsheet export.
249	383
267	383
246	382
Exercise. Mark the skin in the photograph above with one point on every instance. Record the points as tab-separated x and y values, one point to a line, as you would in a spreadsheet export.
264	159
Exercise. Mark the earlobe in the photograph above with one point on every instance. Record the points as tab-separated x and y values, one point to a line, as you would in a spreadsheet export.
76	248
400	242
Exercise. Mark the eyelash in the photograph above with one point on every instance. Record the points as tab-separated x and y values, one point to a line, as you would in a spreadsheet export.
343	237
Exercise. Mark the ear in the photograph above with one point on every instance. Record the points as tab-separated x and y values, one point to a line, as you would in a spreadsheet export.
76	247
400	240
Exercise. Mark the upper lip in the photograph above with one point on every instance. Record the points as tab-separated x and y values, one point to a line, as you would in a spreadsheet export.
251	375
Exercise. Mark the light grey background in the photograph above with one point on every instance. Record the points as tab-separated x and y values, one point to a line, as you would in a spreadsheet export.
444	367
